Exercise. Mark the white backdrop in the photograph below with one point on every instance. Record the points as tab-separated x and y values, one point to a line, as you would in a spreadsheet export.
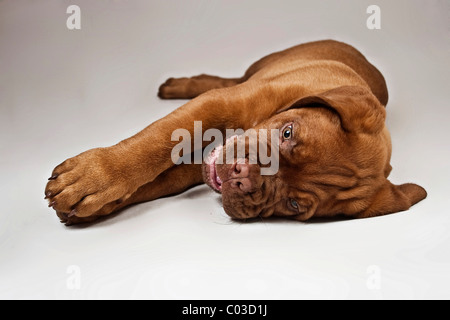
64	91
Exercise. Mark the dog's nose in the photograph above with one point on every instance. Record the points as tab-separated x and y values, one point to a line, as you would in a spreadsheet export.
240	170
243	177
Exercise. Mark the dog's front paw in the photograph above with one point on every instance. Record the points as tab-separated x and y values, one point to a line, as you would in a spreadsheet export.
81	186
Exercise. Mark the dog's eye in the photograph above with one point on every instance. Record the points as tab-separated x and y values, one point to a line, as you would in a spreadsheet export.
294	203
287	133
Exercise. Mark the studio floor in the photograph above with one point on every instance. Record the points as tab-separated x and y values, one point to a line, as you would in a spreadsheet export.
65	91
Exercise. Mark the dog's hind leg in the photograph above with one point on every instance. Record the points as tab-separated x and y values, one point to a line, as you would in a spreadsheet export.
188	88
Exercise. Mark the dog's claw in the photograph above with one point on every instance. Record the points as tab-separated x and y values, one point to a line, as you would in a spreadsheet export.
72	213
53	177
48	194
51	204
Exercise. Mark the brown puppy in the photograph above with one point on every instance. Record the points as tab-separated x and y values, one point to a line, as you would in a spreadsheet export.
325	98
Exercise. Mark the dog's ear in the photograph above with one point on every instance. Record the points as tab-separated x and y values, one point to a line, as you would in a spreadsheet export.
391	198
358	108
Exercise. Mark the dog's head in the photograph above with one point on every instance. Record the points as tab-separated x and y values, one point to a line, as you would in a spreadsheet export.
334	154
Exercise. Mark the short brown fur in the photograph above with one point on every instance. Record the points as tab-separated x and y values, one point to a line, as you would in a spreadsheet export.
338	164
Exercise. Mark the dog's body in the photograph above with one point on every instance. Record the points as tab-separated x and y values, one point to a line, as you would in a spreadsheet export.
326	99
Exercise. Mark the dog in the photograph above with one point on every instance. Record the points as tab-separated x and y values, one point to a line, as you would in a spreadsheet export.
327	103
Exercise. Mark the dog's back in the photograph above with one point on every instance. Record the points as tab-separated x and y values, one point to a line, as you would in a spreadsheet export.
296	57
